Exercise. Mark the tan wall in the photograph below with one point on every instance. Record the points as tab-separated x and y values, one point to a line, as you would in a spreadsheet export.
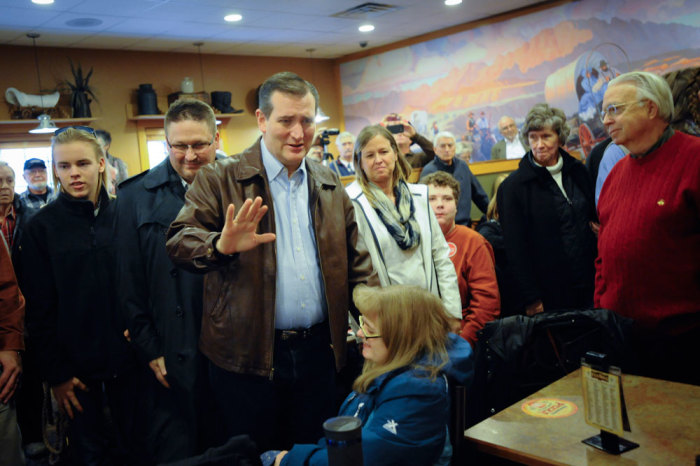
117	75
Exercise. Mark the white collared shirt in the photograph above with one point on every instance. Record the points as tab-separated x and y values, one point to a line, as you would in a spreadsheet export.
514	148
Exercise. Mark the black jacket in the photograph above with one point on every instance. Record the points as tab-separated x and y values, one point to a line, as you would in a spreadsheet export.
23	213
550	246
68	267
161	303
492	231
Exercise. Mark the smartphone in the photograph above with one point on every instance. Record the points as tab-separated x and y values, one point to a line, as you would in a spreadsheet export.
396	129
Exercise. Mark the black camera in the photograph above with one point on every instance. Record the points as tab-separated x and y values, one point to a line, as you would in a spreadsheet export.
396	129
324	140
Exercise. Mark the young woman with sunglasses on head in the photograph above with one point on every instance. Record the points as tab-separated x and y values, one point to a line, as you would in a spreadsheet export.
67	259
401	397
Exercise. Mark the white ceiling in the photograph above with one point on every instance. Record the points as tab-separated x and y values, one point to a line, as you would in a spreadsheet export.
269	27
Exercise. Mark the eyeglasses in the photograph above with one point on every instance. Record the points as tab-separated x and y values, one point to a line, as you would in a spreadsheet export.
87	129
368	335
197	147
615	110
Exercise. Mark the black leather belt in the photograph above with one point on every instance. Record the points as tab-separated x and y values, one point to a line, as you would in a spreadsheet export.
301	333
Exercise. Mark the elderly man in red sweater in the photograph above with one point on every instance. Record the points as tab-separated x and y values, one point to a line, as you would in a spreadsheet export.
471	254
648	266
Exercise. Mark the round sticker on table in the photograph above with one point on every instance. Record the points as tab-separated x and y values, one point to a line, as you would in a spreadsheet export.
551	408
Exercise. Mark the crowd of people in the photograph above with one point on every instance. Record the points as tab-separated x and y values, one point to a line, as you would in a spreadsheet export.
213	302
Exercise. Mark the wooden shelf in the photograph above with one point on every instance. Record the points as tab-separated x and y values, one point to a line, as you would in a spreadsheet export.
219	116
58	121
131	116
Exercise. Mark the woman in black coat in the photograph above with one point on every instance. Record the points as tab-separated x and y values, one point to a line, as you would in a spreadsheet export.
546	208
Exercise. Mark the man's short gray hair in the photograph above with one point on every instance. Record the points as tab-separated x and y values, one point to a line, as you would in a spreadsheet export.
649	86
344	135
444	134
5	164
542	116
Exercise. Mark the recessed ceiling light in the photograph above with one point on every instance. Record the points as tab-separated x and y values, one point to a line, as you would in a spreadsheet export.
452	2
233	18
366	28
42	2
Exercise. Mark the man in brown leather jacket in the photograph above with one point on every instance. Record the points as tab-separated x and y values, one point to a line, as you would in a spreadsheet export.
278	283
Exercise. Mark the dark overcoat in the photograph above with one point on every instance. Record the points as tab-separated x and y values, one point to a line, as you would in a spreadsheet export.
162	303
550	245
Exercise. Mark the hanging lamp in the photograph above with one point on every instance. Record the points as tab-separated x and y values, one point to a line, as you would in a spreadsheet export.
201	70
320	114
46	125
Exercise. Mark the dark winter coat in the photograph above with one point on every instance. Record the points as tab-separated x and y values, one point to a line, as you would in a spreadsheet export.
550	245
67	261
161	302
492	231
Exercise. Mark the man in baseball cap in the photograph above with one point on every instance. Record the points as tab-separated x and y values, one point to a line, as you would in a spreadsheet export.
38	192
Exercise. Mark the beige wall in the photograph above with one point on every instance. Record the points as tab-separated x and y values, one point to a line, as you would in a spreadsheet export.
117	75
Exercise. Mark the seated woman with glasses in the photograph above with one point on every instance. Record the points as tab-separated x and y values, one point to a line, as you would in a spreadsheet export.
401	397
67	259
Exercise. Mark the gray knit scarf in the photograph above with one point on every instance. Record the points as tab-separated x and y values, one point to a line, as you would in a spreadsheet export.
399	219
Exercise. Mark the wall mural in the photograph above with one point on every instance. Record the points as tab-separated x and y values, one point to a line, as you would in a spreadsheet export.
564	55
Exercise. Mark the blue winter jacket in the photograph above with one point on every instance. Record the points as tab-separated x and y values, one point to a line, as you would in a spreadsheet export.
404	414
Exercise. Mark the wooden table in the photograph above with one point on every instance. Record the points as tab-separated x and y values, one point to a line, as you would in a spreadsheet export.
664	418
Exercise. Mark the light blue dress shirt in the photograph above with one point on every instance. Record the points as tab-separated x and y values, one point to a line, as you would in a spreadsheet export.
300	300
613	154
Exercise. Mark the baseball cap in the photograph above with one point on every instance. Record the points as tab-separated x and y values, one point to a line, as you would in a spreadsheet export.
34	163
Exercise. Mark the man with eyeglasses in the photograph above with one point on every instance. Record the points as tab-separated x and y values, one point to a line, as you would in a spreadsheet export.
278	240
649	241
163	303
510	146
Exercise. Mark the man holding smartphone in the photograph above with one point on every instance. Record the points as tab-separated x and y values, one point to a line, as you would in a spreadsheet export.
406	135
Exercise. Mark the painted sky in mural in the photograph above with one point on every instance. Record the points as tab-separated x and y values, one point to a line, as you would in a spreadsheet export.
554	55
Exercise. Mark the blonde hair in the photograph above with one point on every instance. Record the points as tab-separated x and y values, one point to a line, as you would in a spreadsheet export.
78	135
412	323
402	169
492	209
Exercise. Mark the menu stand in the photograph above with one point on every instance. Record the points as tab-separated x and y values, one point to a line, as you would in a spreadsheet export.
604	404
610	443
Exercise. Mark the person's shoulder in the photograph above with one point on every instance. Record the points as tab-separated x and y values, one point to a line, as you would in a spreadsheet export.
45	215
469	238
322	174
428	168
354	190
467	232
461	166
418	189
133	182
690	144
413	382
488	227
